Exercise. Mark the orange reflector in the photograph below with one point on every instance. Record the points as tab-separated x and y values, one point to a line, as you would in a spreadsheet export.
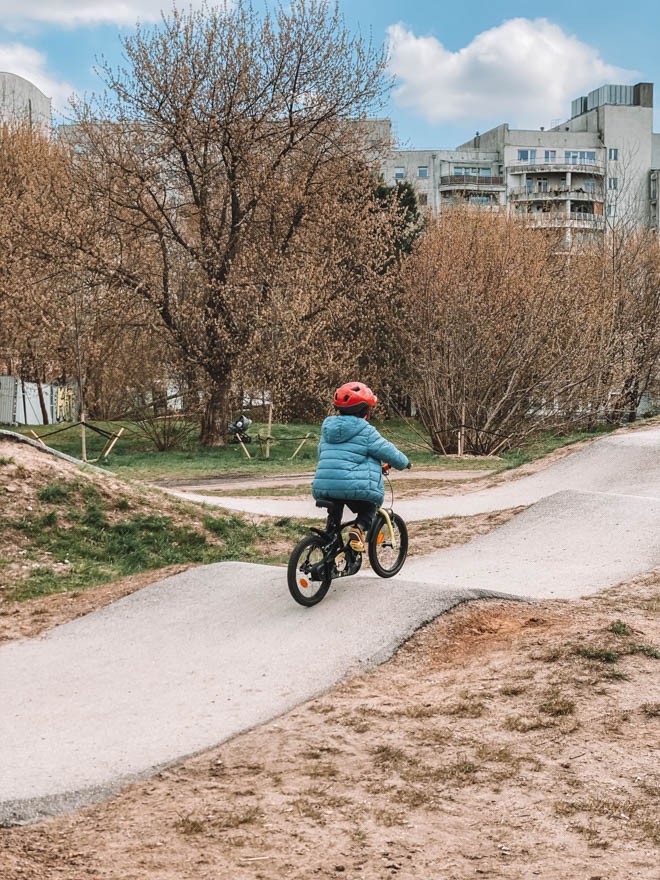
380	538
304	583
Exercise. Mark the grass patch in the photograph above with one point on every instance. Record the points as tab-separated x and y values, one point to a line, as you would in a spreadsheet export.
56	493
4	460
556	705
619	628
601	655
547	442
646	650
651	710
609	655
135	454
391	758
84	540
467	707
617	809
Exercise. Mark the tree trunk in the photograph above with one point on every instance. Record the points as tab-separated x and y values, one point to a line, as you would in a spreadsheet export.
42	402
217	413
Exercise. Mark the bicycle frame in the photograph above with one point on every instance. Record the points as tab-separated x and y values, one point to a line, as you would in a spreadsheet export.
381	510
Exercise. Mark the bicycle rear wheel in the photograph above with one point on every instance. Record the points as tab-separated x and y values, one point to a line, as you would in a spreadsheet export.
387	556
307	553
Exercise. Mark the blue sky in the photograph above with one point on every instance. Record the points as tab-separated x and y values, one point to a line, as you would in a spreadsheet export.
458	68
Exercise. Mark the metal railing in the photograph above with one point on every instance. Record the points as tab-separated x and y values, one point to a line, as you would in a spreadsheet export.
558	192
581	167
471	180
574	219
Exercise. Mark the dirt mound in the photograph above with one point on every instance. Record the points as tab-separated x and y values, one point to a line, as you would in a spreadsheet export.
31	477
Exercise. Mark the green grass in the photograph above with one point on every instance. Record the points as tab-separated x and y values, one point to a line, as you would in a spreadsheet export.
135	456
89	541
79	541
547	442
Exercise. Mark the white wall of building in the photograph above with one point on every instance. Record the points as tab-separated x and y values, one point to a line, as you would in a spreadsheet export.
21	100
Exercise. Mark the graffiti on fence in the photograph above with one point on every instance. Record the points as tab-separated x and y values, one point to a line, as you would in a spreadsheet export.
65	403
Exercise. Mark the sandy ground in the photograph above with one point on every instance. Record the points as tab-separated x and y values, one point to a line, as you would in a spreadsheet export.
504	740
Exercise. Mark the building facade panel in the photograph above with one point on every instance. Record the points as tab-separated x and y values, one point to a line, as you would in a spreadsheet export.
22	101
594	170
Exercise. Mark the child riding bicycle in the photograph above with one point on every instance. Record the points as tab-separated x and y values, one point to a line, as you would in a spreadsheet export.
351	453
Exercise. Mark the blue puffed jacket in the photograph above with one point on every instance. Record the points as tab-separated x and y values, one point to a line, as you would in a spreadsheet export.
350	455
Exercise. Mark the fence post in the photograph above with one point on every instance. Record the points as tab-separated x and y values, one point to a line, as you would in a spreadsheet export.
270	423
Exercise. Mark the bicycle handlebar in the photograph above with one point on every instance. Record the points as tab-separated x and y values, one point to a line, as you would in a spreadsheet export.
386	468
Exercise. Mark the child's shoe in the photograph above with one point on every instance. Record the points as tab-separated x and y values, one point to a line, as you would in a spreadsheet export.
356	539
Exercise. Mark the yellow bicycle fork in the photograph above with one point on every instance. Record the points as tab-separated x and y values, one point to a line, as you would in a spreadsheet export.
387	519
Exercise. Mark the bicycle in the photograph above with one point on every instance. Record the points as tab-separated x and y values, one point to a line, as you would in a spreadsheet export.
326	554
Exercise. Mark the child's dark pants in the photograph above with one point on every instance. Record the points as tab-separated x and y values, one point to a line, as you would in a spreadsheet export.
365	511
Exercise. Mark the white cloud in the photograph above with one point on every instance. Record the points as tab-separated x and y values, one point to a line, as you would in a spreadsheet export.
80	13
31	65
525	72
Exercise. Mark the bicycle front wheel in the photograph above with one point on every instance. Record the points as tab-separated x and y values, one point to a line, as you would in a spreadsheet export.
386	555
307	553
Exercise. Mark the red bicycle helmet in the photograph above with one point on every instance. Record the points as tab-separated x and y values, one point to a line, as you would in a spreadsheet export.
355	398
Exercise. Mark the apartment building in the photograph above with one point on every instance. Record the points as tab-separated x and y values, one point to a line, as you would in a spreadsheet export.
22	101
599	167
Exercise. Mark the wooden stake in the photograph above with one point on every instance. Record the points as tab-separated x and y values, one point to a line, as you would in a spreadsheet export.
114	439
300	446
461	433
243	447
83	439
270	423
37	437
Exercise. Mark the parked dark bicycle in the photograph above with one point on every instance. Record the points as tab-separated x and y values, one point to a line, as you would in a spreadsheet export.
326	554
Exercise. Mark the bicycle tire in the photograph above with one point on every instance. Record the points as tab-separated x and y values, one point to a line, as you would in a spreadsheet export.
306	553
385	559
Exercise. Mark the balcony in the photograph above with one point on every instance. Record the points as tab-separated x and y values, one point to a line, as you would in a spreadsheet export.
561	165
470	181
564	220
561	193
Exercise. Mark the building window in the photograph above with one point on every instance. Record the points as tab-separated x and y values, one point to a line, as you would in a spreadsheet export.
423	171
612	182
590	185
399	173
611	210
613	154
584	157
542	185
527	156
422	199
653	190
550	155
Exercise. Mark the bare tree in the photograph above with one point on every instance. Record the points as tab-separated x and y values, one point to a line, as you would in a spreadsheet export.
631	281
505	332
208	161
329	315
